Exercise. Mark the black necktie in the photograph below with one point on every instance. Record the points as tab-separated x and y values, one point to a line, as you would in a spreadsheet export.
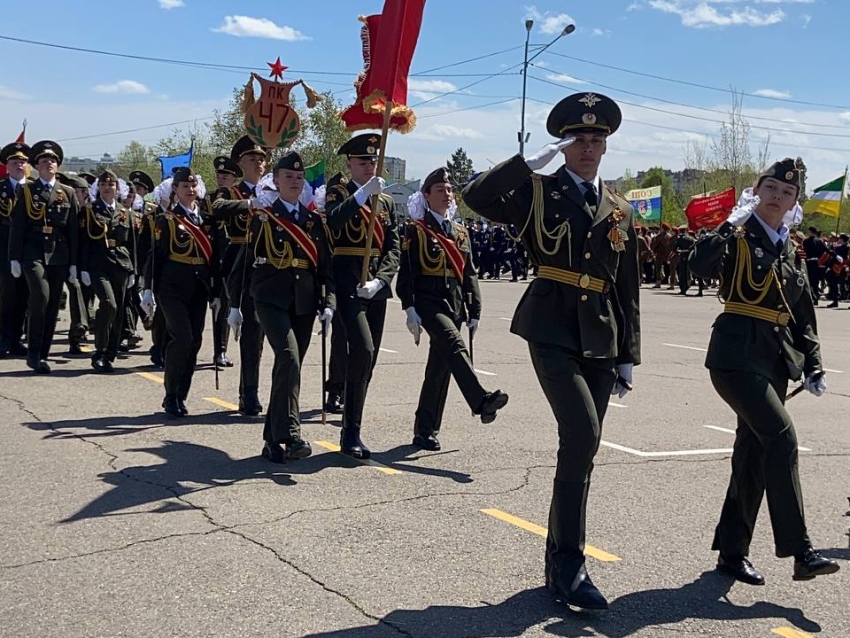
590	194
447	227
780	245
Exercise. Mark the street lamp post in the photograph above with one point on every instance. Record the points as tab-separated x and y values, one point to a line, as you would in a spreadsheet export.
522	135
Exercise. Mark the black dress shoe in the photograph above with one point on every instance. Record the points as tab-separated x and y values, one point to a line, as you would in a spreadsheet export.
740	569
181	403
101	366
39	366
493	402
172	407
334	403
157	360
428	442
834	304
250	406
298	449
811	563
351	445
273	452
582	593
223	361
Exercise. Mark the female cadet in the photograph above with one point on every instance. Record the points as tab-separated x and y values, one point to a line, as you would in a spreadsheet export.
765	336
438	289
181	271
108	263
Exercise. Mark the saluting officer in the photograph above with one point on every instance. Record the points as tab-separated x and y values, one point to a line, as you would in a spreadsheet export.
290	266
438	288
362	308
108	264
13	290
581	315
766	335
43	247
234	205
181	277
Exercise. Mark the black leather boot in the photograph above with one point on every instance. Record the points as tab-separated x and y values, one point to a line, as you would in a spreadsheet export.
352	415
172	407
249	403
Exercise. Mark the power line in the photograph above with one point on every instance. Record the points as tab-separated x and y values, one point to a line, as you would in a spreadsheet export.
484	79
696	84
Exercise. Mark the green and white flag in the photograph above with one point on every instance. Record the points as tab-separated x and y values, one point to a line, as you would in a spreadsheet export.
826	199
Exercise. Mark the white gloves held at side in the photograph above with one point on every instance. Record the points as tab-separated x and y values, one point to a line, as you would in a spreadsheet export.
375	186
472	324
131	281
234	320
86	278
215	306
148	304
370	288
816	384
414	324
15	268
623	384
546	154
326	317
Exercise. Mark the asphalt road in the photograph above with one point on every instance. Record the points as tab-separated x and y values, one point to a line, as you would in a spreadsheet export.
114	522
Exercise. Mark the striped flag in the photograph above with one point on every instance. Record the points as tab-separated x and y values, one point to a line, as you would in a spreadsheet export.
826	199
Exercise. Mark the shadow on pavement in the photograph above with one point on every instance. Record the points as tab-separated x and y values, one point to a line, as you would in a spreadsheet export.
391	458
628	615
117	425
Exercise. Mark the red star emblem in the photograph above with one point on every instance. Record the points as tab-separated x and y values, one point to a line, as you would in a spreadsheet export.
277	69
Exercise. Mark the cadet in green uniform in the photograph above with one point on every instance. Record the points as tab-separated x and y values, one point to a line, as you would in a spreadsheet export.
181	272
581	315
438	288
766	335
79	296
108	265
234	205
43	247
362	308
683	245
291	265
13	290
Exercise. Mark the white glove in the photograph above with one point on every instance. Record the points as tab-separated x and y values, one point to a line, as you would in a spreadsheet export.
374	186
257	203
15	267
624	373
548	153
473	327
148	304
746	205
215	306
370	288
816	385
234	320
85	278
131	281
72	274
326	318
414	324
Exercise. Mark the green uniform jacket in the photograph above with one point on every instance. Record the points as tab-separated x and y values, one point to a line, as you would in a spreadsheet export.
7	203
95	251
347	229
754	345
284	286
233	205
591	324
437	292
28	241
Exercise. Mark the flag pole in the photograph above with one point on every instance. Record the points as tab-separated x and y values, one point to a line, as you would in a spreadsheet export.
841	200
364	273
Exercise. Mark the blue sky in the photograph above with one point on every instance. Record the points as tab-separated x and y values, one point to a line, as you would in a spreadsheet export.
788	49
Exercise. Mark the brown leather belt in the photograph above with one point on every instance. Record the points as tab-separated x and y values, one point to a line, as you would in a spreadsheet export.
574	279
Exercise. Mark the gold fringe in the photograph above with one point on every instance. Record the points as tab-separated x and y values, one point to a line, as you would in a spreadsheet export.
248	99
376	102
313	98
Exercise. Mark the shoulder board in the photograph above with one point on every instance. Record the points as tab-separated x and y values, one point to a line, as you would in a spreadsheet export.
337	180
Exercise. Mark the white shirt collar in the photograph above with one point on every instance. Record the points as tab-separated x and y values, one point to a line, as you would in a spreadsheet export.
771	232
580	180
440	218
190	212
48	184
14	182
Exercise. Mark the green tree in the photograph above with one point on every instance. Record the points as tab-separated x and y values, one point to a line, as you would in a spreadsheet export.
628	181
802	166
322	133
136	157
671	207
227	125
460	167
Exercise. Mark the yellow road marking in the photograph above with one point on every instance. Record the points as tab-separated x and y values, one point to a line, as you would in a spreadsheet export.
333	447
151	377
222	404
598	554
787	632
86	348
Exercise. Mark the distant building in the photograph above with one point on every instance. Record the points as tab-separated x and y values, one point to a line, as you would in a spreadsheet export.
395	167
78	164
400	193
680	180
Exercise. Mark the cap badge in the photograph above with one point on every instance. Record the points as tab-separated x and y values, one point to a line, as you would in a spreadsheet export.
588	118
297	165
789	175
590	100
372	140
370	150
48	145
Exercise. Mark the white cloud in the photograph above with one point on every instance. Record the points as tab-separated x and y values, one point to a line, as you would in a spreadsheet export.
247	27
701	14
547	22
123	86
806	18
429	89
171	4
634	6
772	93
564	78
7	93
600	32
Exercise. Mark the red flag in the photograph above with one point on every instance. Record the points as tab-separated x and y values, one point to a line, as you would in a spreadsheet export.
711	211
389	40
20	140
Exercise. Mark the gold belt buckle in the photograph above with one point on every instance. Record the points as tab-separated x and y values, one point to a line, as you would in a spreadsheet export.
584	281
784	318
47	230
295	263
111	243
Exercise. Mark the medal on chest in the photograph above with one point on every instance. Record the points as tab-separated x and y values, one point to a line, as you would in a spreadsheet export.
617	236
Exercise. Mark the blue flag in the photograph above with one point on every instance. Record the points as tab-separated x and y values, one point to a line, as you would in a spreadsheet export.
168	164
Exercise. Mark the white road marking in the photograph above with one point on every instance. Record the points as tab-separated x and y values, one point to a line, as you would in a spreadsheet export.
835	371
728	431
505	318
617	405
485	373
642	454
675	345
394	301
388	350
